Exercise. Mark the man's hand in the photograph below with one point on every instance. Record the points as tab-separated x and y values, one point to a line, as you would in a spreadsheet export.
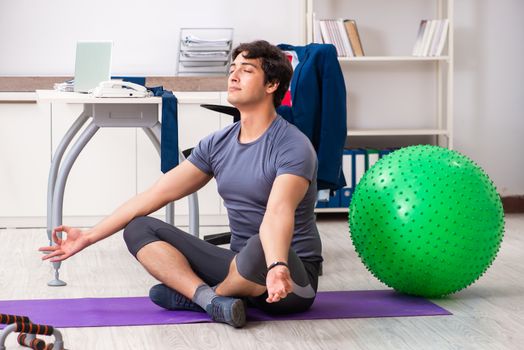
278	283
277	229
64	248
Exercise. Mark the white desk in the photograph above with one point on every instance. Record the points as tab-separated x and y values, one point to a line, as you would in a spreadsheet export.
105	112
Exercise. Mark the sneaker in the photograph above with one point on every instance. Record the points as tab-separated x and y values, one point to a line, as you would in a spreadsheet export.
228	310
170	299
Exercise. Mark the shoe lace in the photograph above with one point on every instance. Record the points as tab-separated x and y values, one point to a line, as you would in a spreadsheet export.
183	301
218	314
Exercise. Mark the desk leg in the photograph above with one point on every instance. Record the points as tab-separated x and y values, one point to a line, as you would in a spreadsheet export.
58	195
154	134
194	224
155	140
55	165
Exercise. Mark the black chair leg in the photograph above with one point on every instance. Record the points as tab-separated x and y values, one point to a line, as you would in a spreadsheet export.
218	238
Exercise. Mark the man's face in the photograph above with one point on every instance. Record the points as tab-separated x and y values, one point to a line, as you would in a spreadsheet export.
246	82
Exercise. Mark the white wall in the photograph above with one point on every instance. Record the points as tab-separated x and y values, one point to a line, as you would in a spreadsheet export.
38	38
489	97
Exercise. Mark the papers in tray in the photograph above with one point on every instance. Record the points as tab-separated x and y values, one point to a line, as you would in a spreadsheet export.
204	51
191	40
205	54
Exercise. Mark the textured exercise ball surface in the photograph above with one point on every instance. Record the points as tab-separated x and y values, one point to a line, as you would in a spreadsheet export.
426	220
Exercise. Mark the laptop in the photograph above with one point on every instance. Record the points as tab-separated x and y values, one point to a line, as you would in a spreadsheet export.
92	64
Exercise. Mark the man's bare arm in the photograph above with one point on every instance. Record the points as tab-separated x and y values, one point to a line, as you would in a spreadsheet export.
182	180
177	183
276	230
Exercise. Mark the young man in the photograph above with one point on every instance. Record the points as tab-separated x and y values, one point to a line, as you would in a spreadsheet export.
265	170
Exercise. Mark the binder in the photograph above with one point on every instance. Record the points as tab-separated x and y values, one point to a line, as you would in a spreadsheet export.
355	162
321	204
347	169
371	158
358	163
334	201
345	197
384	152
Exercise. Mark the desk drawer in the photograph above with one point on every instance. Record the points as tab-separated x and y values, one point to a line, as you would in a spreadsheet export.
124	115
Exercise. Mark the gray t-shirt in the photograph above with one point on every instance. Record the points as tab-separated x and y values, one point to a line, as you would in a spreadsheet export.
245	173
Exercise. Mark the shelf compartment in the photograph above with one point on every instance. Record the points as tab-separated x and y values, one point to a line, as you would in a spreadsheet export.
331	210
392	58
396	132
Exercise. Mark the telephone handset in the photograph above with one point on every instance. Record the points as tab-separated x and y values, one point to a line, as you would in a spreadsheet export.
119	88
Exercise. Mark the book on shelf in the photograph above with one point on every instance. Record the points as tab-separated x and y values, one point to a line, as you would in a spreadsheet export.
338	39
431	37
334	38
436	38
325	37
442	37
354	37
317	35
341	30
428	37
417	49
343	34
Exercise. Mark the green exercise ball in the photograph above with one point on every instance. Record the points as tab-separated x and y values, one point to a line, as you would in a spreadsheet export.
426	220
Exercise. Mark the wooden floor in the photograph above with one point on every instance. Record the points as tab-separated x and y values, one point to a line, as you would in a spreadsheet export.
487	315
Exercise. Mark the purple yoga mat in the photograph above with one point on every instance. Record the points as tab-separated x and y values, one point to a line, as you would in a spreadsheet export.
135	311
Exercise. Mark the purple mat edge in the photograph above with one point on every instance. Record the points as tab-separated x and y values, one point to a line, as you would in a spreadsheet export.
183	317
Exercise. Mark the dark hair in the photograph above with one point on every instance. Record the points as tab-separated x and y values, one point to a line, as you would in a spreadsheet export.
276	66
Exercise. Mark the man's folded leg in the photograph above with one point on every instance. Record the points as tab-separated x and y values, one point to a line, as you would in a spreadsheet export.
170	299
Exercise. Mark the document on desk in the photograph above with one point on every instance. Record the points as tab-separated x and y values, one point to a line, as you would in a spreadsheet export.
66	86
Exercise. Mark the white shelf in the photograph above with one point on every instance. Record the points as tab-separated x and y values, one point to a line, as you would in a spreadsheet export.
17	97
331	210
374	32
396	132
443	65
392	58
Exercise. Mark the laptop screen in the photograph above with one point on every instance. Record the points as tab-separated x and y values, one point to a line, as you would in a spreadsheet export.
92	64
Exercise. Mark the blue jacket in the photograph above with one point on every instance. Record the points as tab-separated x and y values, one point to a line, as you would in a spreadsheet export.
318	95
169	133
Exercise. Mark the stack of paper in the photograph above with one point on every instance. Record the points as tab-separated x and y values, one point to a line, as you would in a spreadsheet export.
67	86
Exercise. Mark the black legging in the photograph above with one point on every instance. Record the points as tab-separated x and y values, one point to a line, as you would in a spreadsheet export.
211	263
